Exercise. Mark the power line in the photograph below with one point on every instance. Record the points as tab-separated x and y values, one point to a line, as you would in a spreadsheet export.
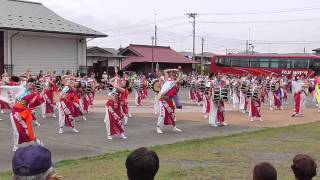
259	22
263	12
145	24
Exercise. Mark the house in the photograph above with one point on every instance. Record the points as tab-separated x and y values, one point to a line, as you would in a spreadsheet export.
144	58
34	37
103	59
206	56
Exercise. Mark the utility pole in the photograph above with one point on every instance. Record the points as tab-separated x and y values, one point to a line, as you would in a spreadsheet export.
201	62
193	16
155	29
247	47
152	39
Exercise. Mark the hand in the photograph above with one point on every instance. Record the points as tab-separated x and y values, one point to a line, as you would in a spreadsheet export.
56	177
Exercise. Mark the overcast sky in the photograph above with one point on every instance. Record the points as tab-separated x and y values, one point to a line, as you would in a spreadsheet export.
224	24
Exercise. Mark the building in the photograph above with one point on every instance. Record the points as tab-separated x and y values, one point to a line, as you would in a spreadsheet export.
139	58
34	37
206	56
103	59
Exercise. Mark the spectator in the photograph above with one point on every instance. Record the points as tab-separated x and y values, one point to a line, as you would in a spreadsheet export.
142	164
33	163
264	171
304	167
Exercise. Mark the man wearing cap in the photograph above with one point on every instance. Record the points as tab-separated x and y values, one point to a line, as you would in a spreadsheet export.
33	162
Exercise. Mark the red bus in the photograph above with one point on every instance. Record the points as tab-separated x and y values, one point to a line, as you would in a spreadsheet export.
266	64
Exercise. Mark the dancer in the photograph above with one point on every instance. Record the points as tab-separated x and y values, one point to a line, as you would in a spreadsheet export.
255	113
24	99
66	106
217	112
167	109
48	105
113	118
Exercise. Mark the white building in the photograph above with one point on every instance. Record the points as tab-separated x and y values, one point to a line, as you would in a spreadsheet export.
34	37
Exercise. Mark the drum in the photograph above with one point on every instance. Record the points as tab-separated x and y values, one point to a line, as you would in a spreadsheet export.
198	85
274	86
219	94
155	85
244	86
193	85
249	91
202	86
89	87
257	93
268	84
39	86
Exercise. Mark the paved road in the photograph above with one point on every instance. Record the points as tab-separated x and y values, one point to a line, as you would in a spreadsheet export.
91	140
92	137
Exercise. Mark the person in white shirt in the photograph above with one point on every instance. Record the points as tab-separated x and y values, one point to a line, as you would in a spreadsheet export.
299	96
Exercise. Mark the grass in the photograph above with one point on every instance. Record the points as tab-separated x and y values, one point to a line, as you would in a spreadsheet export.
230	157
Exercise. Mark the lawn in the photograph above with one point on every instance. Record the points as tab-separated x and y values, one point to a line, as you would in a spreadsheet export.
231	157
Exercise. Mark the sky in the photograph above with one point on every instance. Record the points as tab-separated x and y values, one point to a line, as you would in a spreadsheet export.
279	26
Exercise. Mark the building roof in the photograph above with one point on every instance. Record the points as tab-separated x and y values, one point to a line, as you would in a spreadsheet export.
95	51
316	50
33	16
161	54
189	54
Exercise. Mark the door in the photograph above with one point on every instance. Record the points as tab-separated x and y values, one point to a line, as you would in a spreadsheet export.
1	52
44	53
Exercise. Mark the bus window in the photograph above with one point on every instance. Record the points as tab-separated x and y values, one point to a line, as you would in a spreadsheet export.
300	63
254	63
274	63
264	63
285	63
240	62
227	62
315	65
220	61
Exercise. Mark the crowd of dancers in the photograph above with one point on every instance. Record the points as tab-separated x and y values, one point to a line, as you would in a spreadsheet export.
72	96
248	93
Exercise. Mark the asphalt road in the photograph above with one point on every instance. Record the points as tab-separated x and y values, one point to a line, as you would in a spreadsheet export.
91	140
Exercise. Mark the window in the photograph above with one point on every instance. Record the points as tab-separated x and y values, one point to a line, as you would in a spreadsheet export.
264	62
300	63
285	63
274	63
237	62
315	64
220	61
227	62
254	63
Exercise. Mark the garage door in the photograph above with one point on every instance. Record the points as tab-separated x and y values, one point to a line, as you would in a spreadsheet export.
43	53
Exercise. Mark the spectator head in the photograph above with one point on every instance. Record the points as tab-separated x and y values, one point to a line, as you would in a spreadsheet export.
264	171
142	164
304	167
32	162
120	73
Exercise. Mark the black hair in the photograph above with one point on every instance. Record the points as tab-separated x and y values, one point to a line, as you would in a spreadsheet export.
31	80
120	73
82	75
264	171
211	75
142	164
304	167
15	79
